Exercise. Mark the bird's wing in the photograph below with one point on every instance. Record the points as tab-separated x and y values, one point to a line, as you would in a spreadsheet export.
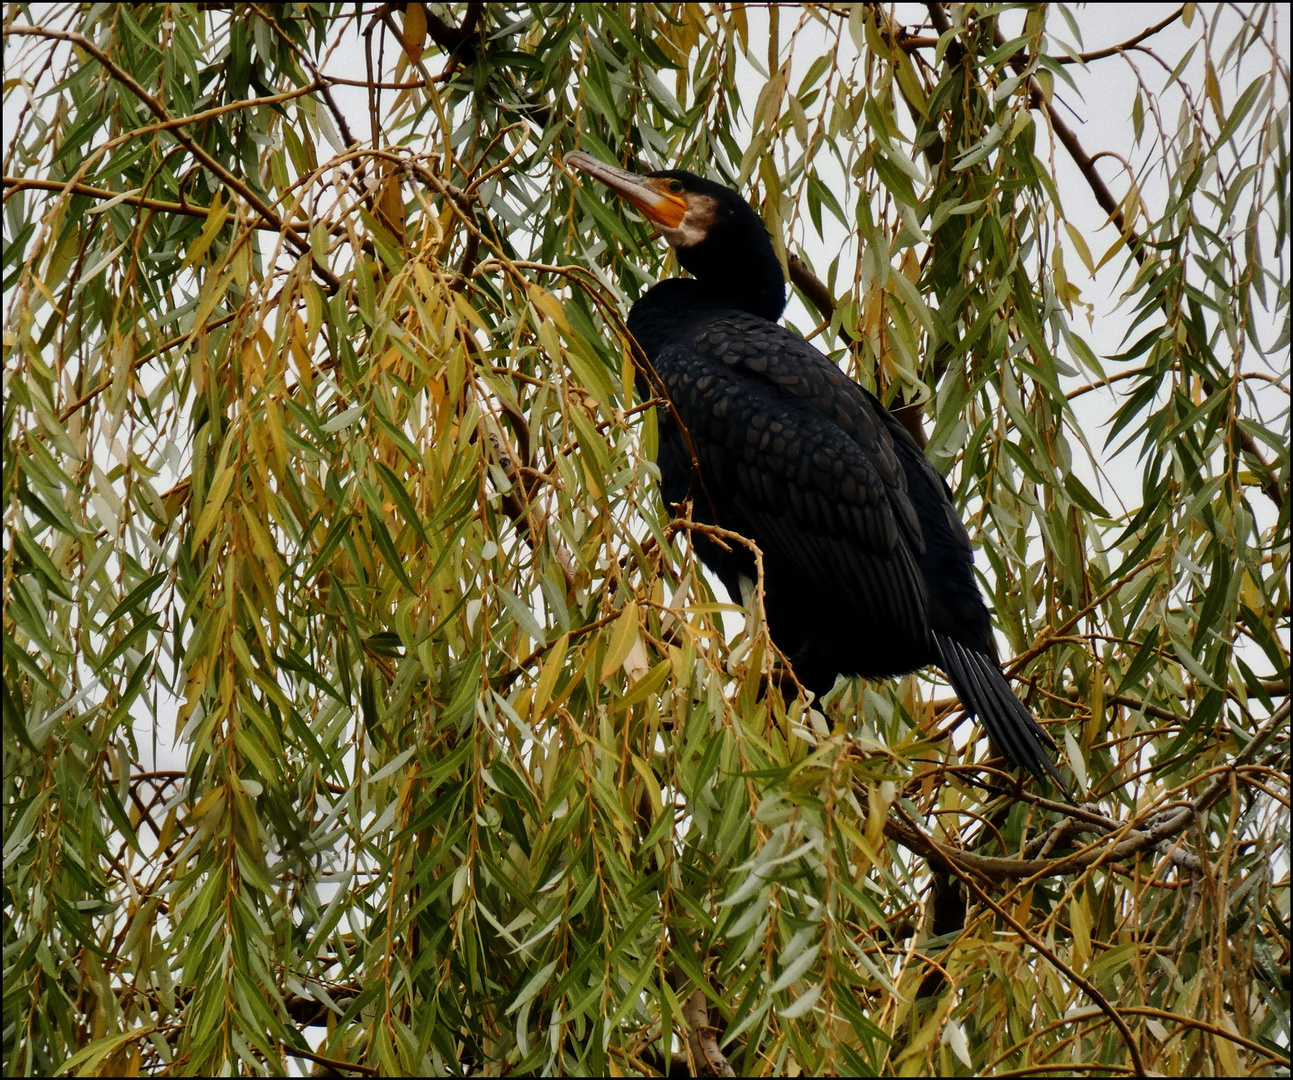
798	457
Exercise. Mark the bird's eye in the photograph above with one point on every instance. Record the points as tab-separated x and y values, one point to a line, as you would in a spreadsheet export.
675	186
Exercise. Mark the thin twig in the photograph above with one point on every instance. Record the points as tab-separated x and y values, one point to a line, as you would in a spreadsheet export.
1040	947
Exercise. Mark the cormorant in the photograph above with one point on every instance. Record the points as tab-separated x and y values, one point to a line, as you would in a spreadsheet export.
867	567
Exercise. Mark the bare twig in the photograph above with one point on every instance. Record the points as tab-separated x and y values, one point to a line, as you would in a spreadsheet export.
1114	50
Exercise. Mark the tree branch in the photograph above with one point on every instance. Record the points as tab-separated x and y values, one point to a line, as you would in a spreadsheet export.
1162	827
1113	50
289	232
1133	1051
817	294
707	1058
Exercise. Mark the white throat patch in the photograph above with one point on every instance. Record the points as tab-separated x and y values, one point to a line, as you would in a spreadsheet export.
702	211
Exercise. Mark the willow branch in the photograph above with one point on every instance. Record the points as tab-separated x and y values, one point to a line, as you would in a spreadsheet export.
289	232
1130	838
701	1039
1039	946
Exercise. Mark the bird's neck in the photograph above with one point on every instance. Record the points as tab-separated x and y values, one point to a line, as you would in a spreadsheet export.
668	309
742	273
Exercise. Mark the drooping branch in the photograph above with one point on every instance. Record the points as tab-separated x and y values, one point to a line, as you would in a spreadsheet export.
1039	946
1104	197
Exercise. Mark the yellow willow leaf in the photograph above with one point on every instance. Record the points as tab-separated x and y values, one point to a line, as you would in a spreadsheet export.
623	637
314	304
193	687
1227	1054
299	350
252	368
213	802
264	547
277	438
216	496
1213	88
257	450
415	31
1024	906
216	216
928	1031
241	265
212	291
1080	921
1079	243
548	677
909	83
549	306
652	784
463	306
878	799
390	207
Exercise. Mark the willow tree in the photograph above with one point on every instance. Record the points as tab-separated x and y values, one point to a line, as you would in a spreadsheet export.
364	705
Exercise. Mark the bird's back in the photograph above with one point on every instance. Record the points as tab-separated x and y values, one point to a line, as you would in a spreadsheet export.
862	551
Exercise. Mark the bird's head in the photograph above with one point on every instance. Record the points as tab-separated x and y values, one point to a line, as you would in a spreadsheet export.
682	205
719	237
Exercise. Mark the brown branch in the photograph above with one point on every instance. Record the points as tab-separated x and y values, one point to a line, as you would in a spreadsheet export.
997	870
336	1064
456	41
702	1043
1220	783
1113	50
17	183
289	232
1133	1051
1037	99
813	288
337	80
1136	1010
1163	826
218	110
816	292
1080	58
470	253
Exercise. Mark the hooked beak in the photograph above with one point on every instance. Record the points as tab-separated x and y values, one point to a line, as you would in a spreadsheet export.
646	193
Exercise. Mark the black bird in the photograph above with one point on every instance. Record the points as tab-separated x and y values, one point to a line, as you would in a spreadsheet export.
867	568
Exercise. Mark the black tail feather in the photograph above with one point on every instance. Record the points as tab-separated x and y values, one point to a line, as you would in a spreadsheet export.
983	690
